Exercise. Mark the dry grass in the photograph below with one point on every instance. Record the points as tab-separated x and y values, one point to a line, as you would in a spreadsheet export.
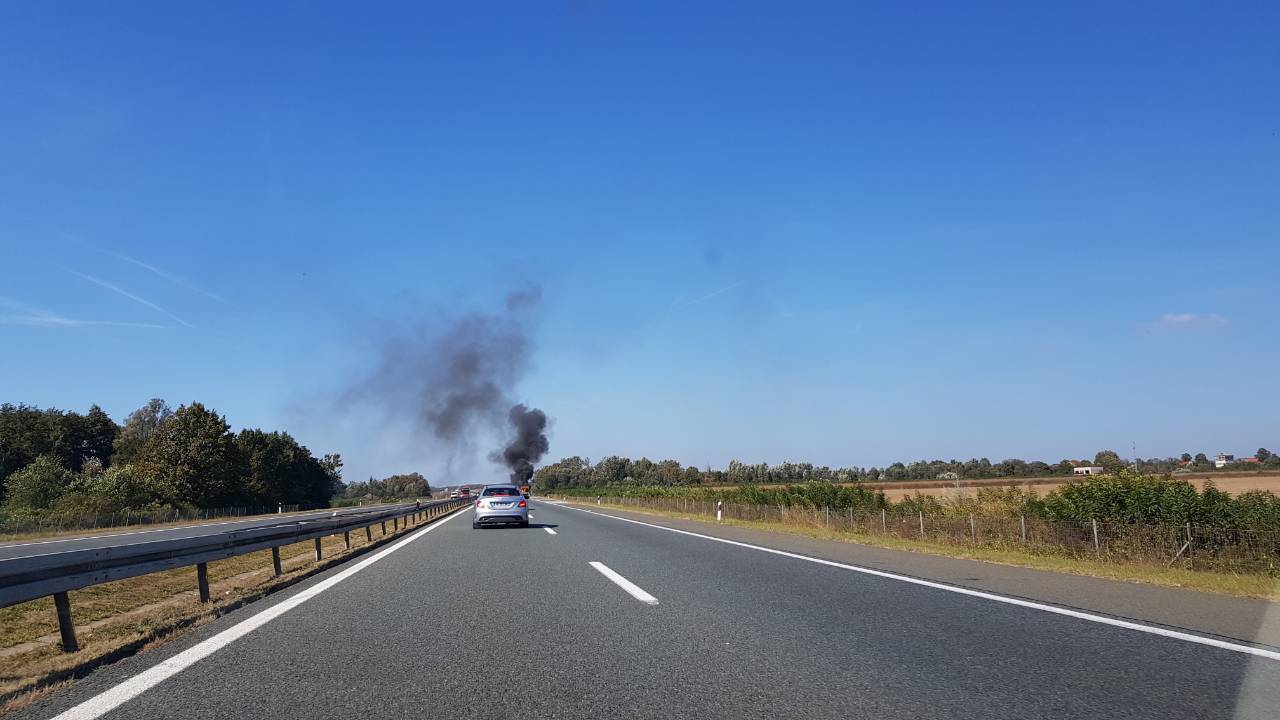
1254	586
117	619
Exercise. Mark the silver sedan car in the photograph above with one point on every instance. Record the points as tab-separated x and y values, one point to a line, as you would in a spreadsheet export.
500	505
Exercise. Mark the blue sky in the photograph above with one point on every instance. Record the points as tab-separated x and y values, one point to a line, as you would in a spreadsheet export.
846	233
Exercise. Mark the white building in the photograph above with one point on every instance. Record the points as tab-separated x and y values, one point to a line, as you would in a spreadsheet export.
1223	460
1089	470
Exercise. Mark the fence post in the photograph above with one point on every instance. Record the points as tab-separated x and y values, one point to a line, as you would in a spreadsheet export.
66	627
827	511
275	560
1096	548
317	549
884	522
1190	558
1023	520
202	580
921	523
973	529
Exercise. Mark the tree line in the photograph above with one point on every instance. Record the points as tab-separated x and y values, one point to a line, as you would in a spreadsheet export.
62	461
411	485
615	470
1125	497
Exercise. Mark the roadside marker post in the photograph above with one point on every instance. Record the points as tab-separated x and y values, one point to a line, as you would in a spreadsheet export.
719	510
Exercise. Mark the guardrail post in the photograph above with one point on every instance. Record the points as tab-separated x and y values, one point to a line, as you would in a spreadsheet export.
346	538
384	528
202	580
368	533
275	561
66	627
317	549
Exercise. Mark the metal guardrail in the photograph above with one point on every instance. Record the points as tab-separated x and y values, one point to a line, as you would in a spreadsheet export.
37	576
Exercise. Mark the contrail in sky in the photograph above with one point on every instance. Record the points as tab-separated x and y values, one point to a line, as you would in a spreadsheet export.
131	296
35	317
710	295
175	279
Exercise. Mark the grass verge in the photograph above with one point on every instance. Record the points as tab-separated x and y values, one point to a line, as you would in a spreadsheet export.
118	619
1241	585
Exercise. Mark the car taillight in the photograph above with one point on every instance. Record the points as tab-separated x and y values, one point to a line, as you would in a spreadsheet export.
524	504
477	503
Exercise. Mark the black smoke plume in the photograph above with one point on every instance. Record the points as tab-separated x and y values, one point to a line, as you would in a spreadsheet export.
529	444
455	377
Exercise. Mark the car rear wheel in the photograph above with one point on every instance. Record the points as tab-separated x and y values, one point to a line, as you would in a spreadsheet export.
524	523
475	526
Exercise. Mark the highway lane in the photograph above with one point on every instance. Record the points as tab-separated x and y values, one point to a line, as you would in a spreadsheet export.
101	539
504	623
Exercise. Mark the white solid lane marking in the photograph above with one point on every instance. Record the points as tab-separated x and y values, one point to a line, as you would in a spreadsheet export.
1091	617
633	589
549	530
104	703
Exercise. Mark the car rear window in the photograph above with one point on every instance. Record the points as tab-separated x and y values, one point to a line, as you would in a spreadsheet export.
503	492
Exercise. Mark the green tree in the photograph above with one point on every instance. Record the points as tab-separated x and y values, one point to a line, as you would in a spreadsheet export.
332	465
39	485
25	434
1186	457
193	459
138	429
1201	459
1109	460
279	470
1263	454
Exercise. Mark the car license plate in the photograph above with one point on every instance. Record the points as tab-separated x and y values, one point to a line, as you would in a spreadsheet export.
500	505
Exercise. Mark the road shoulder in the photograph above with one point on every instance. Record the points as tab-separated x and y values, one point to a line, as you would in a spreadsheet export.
1235	618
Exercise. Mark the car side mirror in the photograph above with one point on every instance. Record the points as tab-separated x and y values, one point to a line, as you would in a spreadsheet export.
526	495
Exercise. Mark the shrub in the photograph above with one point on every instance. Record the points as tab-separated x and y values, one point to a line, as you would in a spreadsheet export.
37	486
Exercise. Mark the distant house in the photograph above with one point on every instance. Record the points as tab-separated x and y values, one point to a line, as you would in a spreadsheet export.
1089	470
1249	461
1223	460
948	475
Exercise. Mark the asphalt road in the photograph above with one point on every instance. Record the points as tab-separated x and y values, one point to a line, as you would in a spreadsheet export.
457	622
103	539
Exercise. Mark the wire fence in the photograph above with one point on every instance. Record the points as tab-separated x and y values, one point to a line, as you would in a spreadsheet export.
58	522
1189	546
